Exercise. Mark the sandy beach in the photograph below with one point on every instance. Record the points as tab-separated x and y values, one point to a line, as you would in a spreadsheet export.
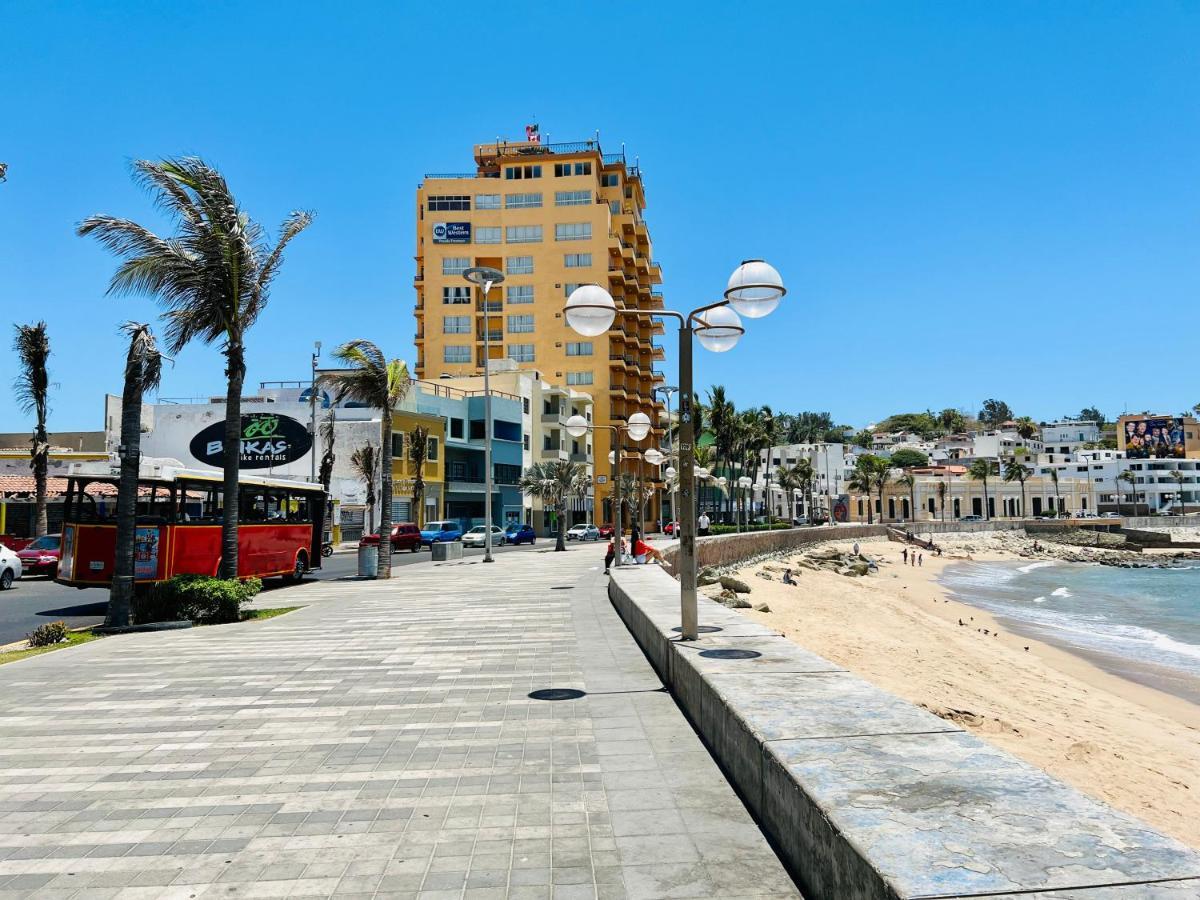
1129	745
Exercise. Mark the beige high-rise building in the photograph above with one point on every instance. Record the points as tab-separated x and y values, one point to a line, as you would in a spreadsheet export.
550	217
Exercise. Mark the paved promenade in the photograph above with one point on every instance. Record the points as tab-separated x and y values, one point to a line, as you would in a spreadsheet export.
380	742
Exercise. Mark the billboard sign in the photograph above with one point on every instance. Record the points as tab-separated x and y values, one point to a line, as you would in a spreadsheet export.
1156	437
267	440
452	232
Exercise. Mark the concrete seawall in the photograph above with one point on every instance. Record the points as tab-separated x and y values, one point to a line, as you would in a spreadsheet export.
868	797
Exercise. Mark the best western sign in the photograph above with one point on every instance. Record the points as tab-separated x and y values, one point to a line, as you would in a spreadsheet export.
267	440
452	232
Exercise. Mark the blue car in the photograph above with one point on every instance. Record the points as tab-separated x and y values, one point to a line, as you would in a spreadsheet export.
519	534
440	533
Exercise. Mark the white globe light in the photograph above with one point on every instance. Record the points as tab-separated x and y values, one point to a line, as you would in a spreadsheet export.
577	426
722	481
638	426
612	457
718	329
700	471
654	457
754	289
670	473
744	481
590	310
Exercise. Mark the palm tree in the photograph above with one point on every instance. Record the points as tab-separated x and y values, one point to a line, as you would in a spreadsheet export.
212	278
328	431
870	472
1026	427
1054	481
554	483
370	378
982	470
942	487
1177	477
789	480
32	390
704	457
1129	478
143	371
909	480
418	451
804	475
880	476
1016	471
365	463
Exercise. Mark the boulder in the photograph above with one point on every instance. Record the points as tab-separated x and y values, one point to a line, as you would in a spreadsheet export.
736	603
734	584
860	567
762	607
767	575
707	576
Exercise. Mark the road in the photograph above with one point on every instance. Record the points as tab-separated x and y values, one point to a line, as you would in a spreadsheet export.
37	600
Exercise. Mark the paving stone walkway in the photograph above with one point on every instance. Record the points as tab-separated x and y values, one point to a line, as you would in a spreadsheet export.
379	742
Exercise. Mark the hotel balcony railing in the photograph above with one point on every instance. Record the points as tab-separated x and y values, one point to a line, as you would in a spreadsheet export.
454	175
494	337
492	306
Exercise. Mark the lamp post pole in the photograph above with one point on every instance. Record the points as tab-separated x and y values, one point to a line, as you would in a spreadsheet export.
754	290
668	391
485	277
312	404
637	428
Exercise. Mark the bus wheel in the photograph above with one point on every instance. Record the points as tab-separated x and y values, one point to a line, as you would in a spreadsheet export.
299	569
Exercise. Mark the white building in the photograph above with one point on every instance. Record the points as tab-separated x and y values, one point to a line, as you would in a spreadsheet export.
831	468
1068	436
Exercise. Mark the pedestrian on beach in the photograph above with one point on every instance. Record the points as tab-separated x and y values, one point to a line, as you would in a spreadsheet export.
904	554
856	548
913	559
921	560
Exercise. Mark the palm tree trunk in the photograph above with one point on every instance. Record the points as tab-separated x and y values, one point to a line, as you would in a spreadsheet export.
41	453
120	594
235	371
385	499
560	541
1022	510
987	515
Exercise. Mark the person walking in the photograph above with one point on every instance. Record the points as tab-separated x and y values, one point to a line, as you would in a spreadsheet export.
856	548
921	560
702	523
904	553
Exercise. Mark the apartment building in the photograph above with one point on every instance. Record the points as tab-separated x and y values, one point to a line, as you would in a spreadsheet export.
550	217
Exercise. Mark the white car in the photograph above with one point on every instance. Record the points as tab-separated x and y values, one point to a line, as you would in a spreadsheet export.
10	567
477	536
587	532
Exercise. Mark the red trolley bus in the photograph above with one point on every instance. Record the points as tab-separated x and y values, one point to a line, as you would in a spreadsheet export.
179	516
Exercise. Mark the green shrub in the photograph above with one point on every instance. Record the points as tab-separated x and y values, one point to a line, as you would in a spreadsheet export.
731	529
203	600
45	635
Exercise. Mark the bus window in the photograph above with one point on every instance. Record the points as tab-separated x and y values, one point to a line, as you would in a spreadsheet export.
254	504
155	504
277	504
299	506
94	501
201	503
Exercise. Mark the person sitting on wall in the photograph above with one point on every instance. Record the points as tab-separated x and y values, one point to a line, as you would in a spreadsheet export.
611	554
643	553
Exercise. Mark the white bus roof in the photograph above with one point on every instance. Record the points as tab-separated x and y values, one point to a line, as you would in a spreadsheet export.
175	473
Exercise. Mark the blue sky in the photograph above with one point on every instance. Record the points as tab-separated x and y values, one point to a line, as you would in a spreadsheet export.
966	200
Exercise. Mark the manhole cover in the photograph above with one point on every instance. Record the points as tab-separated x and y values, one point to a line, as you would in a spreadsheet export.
730	654
557	694
702	629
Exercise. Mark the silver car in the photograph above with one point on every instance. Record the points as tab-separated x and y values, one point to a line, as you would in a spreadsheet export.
10	567
587	532
477	536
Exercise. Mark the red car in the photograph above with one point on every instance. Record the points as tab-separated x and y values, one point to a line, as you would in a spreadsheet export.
40	557
405	536
606	532
669	528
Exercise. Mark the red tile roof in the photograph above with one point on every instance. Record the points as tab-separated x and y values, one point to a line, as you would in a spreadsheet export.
13	486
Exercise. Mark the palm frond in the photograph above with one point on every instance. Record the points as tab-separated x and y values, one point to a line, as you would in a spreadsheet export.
31	387
143	362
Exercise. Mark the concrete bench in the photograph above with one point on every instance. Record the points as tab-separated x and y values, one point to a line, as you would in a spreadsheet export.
868	797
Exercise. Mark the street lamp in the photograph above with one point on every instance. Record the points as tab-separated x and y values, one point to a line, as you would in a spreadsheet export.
637	428
312	405
745	482
753	290
668	390
484	277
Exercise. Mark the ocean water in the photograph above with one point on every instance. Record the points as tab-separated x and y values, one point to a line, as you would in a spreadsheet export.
1141	624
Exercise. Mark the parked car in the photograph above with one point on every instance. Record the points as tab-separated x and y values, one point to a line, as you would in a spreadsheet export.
606	531
971	519
440	532
1110	515
587	532
668	529
477	537
519	534
10	567
40	557
405	536
1086	514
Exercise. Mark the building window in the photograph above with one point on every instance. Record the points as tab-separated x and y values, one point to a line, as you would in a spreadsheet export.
572	231
577	260
579	378
525	405
572	198
520	324
431	452
579	348
518	265
456	353
579	168
506	474
516	173
569	288
523	234
456	294
398	445
455	265
487	201
520	352
456	428
522	201
610	179
456	324
525	441
614	207
487	235
446	204
519	293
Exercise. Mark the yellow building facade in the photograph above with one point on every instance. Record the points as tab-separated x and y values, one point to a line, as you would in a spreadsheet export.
550	217
404	472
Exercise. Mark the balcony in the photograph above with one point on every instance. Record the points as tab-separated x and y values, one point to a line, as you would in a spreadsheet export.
554	417
494	337
492	306
553	453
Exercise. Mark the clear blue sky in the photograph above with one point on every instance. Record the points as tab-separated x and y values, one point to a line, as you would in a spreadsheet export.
966	200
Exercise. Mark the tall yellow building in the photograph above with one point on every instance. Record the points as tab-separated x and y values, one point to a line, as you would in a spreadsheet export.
550	217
